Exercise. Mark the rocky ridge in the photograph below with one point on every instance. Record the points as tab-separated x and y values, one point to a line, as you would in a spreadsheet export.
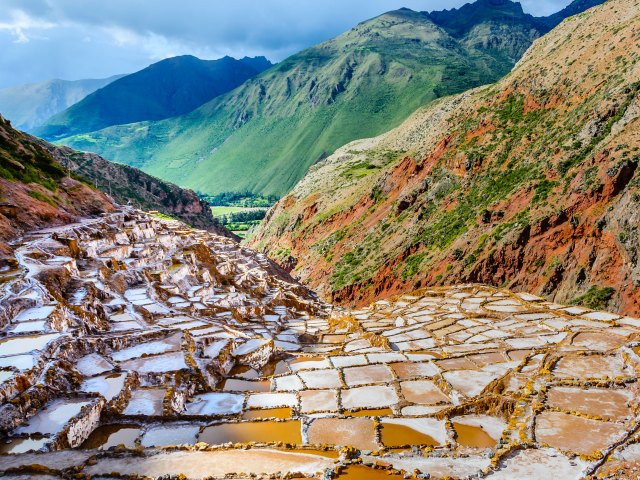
130	186
136	347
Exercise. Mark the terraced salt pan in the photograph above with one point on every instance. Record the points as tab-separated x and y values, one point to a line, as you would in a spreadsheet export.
109	386
577	434
348	361
93	364
215	404
198	465
307	363
318	401
606	403
321	378
53	418
126	326
369	397
470	382
169	362
288	431
412	370
166	435
36	313
591	366
423	392
354	376
21	362
356	432
23	445
25	344
36	326
430	427
108	436
422	410
598	341
288	383
438	467
537	465
272	400
236	385
146	401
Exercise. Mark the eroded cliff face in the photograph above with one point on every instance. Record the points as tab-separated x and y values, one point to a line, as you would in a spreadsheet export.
530	183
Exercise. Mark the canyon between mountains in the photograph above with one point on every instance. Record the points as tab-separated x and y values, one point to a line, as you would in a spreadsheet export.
453	299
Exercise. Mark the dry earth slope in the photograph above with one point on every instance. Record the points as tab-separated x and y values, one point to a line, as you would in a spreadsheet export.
530	183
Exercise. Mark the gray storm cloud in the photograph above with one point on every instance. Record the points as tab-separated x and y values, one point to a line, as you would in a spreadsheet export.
72	39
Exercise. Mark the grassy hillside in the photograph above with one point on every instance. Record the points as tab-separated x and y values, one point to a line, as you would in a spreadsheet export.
265	135
165	89
531	183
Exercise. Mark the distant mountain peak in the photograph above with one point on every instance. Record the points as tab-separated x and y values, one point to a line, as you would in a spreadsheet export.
171	87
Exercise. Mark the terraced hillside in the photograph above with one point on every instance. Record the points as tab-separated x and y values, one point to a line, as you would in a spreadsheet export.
530	183
263	136
135	347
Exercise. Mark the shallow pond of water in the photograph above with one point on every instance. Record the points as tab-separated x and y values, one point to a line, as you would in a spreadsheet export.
282	413
23	445
360	472
393	435
473	436
109	436
377	412
275	368
237	385
166	435
262	432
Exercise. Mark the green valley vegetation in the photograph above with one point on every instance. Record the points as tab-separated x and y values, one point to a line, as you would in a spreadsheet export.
264	135
239	212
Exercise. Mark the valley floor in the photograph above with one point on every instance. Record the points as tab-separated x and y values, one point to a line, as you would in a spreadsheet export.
137	347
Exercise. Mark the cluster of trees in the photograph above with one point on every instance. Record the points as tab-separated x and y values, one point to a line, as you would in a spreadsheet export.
235	199
247	216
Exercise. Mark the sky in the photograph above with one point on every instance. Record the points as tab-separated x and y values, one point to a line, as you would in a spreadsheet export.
75	39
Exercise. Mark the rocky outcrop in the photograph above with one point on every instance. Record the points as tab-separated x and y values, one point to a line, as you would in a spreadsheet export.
531	183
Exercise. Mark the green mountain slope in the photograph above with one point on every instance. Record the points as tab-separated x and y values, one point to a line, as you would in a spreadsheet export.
264	136
165	89
30	105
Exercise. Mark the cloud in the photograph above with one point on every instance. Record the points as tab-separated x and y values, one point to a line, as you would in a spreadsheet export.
19	23
75	39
